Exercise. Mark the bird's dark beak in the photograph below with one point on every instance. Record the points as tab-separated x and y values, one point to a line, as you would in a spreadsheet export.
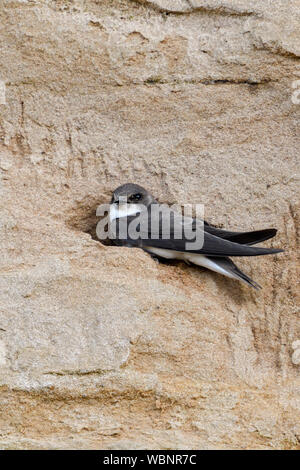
114	201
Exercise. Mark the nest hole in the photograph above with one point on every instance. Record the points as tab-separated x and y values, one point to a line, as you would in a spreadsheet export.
84	219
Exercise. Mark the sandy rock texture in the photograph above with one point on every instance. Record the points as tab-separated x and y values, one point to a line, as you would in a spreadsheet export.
102	347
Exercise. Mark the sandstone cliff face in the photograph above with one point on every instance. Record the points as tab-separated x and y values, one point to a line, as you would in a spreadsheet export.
101	347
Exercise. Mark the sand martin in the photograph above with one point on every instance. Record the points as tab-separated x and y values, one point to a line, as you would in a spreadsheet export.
130	201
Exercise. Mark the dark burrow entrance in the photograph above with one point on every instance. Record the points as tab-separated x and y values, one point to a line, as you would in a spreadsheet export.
84	219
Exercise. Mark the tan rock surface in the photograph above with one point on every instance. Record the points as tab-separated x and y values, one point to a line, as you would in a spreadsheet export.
101	347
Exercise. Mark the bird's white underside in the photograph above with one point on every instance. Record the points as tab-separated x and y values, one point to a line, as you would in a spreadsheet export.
126	210
195	258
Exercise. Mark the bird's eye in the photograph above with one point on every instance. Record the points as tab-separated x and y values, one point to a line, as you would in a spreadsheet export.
135	197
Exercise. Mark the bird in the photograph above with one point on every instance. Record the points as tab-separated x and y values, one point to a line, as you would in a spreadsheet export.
133	204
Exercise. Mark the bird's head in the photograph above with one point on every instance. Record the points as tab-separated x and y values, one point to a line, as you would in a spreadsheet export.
132	194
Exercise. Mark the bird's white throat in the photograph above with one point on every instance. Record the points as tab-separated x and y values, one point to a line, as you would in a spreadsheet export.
124	210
